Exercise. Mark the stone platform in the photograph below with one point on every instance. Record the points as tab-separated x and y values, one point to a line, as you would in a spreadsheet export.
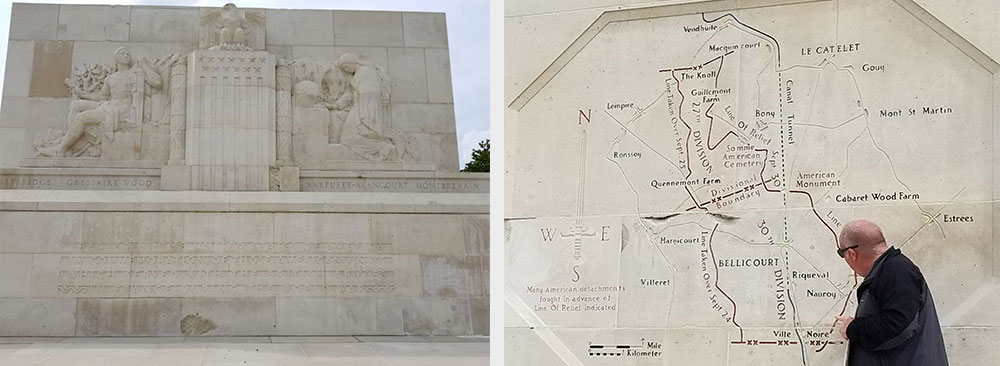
267	351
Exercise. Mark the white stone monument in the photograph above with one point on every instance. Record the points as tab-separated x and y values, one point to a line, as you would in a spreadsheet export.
231	171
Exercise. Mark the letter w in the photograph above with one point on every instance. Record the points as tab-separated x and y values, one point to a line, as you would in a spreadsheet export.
547	233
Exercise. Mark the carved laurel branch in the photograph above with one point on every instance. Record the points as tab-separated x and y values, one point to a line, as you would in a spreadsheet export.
88	78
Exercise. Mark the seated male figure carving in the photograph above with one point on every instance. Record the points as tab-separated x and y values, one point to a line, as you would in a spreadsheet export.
113	103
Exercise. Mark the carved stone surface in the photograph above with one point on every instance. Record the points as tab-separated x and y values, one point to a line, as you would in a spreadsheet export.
232	29
160	130
374	116
150	263
115	110
679	174
343	106
284	114
178	111
230	124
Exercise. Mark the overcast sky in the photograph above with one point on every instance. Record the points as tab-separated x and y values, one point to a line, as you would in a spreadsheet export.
468	44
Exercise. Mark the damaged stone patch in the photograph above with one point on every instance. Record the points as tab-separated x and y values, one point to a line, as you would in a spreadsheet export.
195	325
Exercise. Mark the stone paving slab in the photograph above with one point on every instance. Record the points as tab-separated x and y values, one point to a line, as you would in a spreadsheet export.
221	351
338	339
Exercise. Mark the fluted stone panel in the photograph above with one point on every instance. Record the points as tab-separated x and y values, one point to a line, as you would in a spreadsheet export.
231	119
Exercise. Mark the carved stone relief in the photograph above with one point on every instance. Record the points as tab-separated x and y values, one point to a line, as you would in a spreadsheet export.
232	29
229	98
116	109
348	101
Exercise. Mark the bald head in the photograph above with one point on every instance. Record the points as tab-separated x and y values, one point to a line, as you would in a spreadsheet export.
866	235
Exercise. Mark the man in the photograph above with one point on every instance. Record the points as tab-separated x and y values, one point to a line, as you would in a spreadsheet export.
895	323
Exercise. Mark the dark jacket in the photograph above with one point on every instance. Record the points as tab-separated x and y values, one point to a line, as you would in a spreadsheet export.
895	323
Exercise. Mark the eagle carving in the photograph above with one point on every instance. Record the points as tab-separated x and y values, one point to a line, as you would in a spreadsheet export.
232	28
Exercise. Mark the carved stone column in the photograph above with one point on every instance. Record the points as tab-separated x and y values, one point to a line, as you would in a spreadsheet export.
176	175
178	111
284	118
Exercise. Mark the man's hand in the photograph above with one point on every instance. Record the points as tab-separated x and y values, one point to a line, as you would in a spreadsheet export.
845	321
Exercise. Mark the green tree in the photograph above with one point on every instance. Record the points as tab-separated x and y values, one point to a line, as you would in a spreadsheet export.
480	158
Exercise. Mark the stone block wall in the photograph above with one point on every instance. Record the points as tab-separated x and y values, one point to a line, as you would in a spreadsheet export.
47	40
150	264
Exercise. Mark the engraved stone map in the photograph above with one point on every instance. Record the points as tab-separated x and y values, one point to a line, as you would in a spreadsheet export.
679	174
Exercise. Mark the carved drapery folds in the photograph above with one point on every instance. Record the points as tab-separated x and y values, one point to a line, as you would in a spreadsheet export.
345	104
118	112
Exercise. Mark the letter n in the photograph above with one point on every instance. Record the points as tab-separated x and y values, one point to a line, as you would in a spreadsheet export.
583	116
